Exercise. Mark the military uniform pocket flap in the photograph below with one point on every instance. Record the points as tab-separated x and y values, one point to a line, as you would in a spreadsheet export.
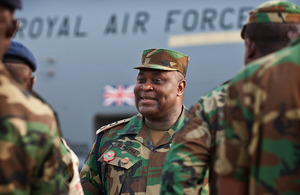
119	157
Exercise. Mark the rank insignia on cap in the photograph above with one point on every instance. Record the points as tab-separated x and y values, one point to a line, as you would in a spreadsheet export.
109	156
125	160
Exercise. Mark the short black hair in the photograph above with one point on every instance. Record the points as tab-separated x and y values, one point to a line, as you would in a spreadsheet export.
269	37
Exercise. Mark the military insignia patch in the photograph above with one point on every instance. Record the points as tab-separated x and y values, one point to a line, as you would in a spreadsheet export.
109	156
125	160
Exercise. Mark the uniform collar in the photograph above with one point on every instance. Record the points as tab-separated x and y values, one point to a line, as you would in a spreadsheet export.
143	134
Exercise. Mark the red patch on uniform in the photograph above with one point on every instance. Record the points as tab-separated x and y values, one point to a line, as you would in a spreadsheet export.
109	156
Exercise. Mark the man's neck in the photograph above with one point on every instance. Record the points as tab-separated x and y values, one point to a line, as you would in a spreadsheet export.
164	123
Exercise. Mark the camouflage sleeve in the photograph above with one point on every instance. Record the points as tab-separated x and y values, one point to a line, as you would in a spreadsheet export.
233	157
30	154
72	175
186	162
89	176
187	168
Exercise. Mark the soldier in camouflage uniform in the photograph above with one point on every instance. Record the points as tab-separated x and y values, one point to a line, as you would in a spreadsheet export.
33	159
30	159
20	63
128	156
187	166
261	152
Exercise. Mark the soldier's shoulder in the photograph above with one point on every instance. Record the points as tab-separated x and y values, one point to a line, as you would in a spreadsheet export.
112	125
215	93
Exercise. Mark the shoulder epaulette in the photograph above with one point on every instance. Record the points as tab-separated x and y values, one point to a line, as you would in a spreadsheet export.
114	124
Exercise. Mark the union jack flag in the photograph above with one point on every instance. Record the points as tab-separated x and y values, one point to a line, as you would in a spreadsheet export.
118	95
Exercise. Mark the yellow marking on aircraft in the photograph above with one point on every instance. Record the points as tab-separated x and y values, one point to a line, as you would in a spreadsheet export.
199	39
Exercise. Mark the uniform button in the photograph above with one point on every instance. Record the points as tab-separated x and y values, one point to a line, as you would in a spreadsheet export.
125	160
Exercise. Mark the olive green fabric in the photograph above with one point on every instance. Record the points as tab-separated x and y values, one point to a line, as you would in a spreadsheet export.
130	163
188	166
33	158
274	12
262	125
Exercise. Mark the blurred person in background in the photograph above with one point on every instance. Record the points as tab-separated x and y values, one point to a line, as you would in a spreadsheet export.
21	63
31	160
261	152
189	167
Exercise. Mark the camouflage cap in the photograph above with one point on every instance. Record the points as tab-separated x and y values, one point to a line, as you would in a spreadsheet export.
274	12
163	59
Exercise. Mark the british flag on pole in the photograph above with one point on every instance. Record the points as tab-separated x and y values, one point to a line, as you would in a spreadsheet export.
118	95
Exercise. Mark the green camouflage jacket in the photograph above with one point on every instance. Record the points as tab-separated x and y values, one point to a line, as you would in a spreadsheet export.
262	124
69	159
71	172
127	159
186	169
31	151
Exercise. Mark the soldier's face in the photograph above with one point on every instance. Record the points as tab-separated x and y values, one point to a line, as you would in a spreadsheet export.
156	92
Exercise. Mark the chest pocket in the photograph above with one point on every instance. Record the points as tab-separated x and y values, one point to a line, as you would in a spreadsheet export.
120	155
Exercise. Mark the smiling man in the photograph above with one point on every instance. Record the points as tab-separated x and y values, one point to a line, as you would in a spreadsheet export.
128	156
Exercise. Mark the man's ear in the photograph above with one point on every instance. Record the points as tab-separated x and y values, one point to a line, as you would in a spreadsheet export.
12	29
31	82
292	35
180	88
251	50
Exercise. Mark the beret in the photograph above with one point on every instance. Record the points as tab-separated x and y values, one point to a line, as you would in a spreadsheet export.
18	52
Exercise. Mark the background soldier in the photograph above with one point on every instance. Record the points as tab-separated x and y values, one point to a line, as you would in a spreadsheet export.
193	152
30	145
128	156
29	139
262	123
20	63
